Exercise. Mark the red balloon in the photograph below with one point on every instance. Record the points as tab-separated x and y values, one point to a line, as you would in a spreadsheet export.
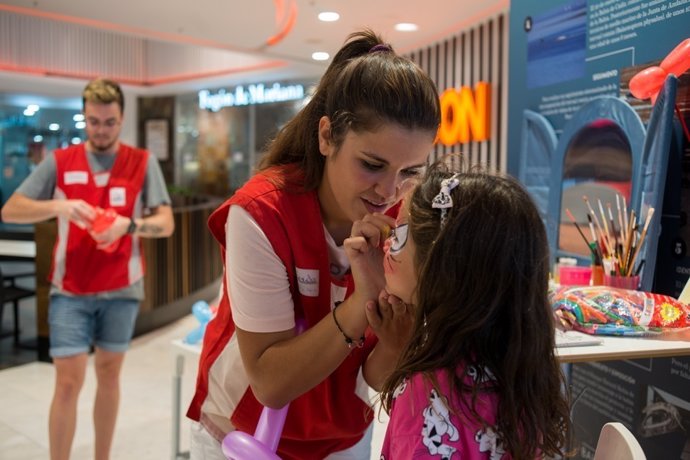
647	83
678	61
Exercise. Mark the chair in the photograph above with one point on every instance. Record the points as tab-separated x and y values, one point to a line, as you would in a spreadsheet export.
616	442
10	292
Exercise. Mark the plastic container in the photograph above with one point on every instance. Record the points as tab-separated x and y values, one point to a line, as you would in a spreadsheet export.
597	275
574	276
624	282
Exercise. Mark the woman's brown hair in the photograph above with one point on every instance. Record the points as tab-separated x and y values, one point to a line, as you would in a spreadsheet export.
365	85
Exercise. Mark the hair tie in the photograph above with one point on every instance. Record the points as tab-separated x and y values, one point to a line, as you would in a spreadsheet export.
380	47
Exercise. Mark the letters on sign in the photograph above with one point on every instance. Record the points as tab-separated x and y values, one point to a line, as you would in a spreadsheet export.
465	114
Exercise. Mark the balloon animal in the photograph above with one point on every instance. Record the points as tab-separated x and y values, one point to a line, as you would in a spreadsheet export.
238	445
203	313
104	219
647	83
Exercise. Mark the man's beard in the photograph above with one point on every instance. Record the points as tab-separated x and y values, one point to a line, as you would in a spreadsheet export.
101	147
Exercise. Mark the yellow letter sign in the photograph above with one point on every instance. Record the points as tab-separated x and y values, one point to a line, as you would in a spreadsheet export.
465	116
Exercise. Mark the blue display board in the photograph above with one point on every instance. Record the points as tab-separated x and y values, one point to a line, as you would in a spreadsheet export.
564	53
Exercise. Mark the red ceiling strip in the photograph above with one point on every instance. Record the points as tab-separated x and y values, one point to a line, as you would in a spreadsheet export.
44	72
284	21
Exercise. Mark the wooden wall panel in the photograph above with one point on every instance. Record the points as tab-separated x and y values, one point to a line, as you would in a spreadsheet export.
470	56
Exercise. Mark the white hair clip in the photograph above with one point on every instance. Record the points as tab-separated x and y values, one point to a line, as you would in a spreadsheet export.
443	201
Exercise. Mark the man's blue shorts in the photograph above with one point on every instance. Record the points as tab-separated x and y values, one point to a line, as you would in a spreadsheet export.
76	323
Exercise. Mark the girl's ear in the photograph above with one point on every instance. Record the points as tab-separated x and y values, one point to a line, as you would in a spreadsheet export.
325	142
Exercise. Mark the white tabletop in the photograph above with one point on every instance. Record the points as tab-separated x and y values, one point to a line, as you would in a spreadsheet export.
18	248
613	348
180	346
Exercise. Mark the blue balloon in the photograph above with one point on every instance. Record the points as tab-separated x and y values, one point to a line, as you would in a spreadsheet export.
202	312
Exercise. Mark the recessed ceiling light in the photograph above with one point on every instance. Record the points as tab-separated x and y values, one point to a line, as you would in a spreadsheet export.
320	56
54	127
406	27
328	16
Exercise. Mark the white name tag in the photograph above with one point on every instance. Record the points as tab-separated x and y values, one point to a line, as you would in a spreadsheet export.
308	281
101	179
118	196
76	177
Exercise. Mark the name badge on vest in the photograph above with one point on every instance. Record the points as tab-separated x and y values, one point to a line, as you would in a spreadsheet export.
76	177
101	179
118	196
308	281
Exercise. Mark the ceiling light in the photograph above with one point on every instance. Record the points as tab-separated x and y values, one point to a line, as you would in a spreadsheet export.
320	56
76	140
33	107
38	138
328	16
80	125
29	113
78	117
53	126
406	27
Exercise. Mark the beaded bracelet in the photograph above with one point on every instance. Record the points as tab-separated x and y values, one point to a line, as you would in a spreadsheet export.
349	341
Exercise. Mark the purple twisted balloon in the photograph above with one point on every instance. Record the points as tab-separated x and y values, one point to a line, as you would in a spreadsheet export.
238	445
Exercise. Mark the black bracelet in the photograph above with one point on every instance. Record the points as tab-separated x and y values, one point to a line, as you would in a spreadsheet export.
350	342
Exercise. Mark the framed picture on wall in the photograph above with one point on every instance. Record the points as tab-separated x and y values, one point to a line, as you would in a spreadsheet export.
157	138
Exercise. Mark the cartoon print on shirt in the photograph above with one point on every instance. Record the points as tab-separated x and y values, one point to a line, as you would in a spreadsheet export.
474	374
489	441
401	388
437	424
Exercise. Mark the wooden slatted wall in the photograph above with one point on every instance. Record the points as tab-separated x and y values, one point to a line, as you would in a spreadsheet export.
473	55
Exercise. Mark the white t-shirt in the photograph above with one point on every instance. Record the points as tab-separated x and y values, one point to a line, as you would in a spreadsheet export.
257	280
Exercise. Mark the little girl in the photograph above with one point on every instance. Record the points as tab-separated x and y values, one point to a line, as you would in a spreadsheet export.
479	378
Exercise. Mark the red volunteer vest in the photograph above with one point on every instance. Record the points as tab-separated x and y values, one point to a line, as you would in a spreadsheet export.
330	417
78	266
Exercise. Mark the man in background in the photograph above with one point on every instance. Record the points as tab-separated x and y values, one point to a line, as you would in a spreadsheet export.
106	196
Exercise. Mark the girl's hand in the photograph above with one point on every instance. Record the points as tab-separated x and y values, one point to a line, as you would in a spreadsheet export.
363	249
392	321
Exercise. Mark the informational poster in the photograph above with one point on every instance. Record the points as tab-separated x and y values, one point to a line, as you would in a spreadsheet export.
651	397
564	53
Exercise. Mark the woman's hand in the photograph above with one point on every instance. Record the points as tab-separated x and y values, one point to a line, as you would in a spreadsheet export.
363	249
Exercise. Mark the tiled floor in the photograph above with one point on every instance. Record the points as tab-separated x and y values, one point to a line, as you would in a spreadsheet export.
144	425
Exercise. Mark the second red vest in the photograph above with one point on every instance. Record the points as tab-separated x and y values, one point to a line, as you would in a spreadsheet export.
79	267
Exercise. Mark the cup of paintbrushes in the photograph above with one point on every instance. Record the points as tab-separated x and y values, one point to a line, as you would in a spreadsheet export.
624	282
